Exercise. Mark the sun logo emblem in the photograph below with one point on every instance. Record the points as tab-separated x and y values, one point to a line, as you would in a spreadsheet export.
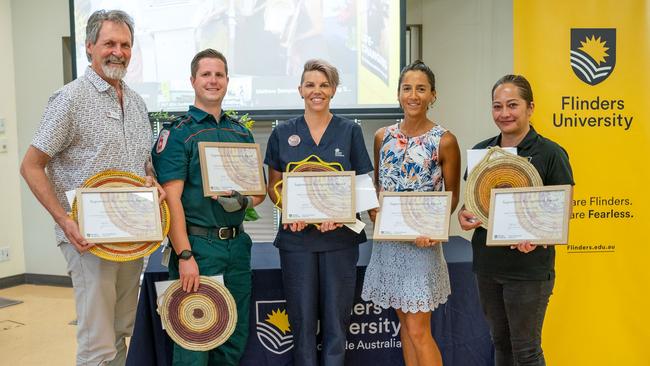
272	325
280	319
595	48
593	53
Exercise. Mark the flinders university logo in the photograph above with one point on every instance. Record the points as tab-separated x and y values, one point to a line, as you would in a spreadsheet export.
593	53
272	324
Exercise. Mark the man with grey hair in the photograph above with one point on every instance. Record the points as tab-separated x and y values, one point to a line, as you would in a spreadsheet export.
94	123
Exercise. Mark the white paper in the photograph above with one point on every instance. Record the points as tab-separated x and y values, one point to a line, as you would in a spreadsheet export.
70	195
395	222
366	194
239	172
330	202
357	226
506	225
542	218
161	287
99	221
474	156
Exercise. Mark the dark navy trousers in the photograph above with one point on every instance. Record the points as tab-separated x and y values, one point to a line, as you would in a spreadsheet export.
319	286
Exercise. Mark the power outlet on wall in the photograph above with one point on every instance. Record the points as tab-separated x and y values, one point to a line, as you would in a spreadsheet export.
4	254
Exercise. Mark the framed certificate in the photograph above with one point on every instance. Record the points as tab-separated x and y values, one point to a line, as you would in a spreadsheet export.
314	197
119	214
407	215
536	214
231	166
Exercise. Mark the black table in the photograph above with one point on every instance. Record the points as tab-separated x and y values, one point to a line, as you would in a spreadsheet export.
458	326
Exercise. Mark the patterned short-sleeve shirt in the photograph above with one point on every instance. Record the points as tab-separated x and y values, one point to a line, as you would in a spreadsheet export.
410	163
84	131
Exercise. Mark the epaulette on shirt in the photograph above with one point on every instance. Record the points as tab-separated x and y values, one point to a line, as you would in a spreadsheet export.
169	123
180	121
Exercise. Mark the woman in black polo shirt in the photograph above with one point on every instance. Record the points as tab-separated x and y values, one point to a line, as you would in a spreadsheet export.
515	282
319	264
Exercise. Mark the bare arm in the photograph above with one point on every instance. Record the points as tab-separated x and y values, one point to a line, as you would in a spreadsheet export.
150	179
274	177
33	171
379	136
258	199
449	158
188	269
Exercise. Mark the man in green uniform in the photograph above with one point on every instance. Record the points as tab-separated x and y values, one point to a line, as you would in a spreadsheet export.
206	232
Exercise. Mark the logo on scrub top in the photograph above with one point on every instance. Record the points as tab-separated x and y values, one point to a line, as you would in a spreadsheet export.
338	153
593	53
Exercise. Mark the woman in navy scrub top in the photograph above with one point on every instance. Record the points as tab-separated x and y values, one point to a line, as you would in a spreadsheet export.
318	264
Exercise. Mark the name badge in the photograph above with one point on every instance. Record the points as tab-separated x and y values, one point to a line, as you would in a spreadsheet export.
113	115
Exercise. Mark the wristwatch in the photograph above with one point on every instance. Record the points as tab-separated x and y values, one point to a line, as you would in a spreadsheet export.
186	254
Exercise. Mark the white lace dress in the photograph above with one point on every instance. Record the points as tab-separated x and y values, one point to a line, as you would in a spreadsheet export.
401	275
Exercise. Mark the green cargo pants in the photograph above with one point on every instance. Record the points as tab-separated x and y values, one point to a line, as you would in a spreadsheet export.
231	258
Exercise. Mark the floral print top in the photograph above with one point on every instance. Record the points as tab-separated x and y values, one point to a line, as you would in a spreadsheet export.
410	163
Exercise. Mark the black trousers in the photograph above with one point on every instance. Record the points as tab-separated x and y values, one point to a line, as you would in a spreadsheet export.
515	312
319	285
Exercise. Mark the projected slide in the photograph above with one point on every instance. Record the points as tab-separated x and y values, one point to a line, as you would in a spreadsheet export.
266	43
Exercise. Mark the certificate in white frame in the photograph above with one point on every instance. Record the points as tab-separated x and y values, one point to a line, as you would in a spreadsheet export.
231	166
315	197
539	215
119	214
404	216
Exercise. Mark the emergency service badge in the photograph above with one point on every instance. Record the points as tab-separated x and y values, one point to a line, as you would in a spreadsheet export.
162	141
593	53
272	325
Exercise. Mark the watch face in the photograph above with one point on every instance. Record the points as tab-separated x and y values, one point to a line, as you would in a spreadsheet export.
186	254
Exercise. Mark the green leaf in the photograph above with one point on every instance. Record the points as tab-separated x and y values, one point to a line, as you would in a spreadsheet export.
251	215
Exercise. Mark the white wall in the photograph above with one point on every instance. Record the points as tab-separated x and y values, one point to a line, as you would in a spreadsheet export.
11	234
38	26
413	11
468	43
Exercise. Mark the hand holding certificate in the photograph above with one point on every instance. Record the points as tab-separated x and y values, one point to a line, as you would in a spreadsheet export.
316	197
405	216
119	214
539	215
232	166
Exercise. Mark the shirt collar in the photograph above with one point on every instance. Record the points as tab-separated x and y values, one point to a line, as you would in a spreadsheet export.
528	140
97	81
200	115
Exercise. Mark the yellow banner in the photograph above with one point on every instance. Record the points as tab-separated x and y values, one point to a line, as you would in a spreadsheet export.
588	63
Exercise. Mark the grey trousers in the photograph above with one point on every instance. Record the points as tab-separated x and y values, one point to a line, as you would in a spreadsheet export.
106	296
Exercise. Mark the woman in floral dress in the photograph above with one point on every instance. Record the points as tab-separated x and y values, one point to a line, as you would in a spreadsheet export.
414	155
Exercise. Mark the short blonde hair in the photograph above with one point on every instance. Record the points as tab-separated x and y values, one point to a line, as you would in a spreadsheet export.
331	73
